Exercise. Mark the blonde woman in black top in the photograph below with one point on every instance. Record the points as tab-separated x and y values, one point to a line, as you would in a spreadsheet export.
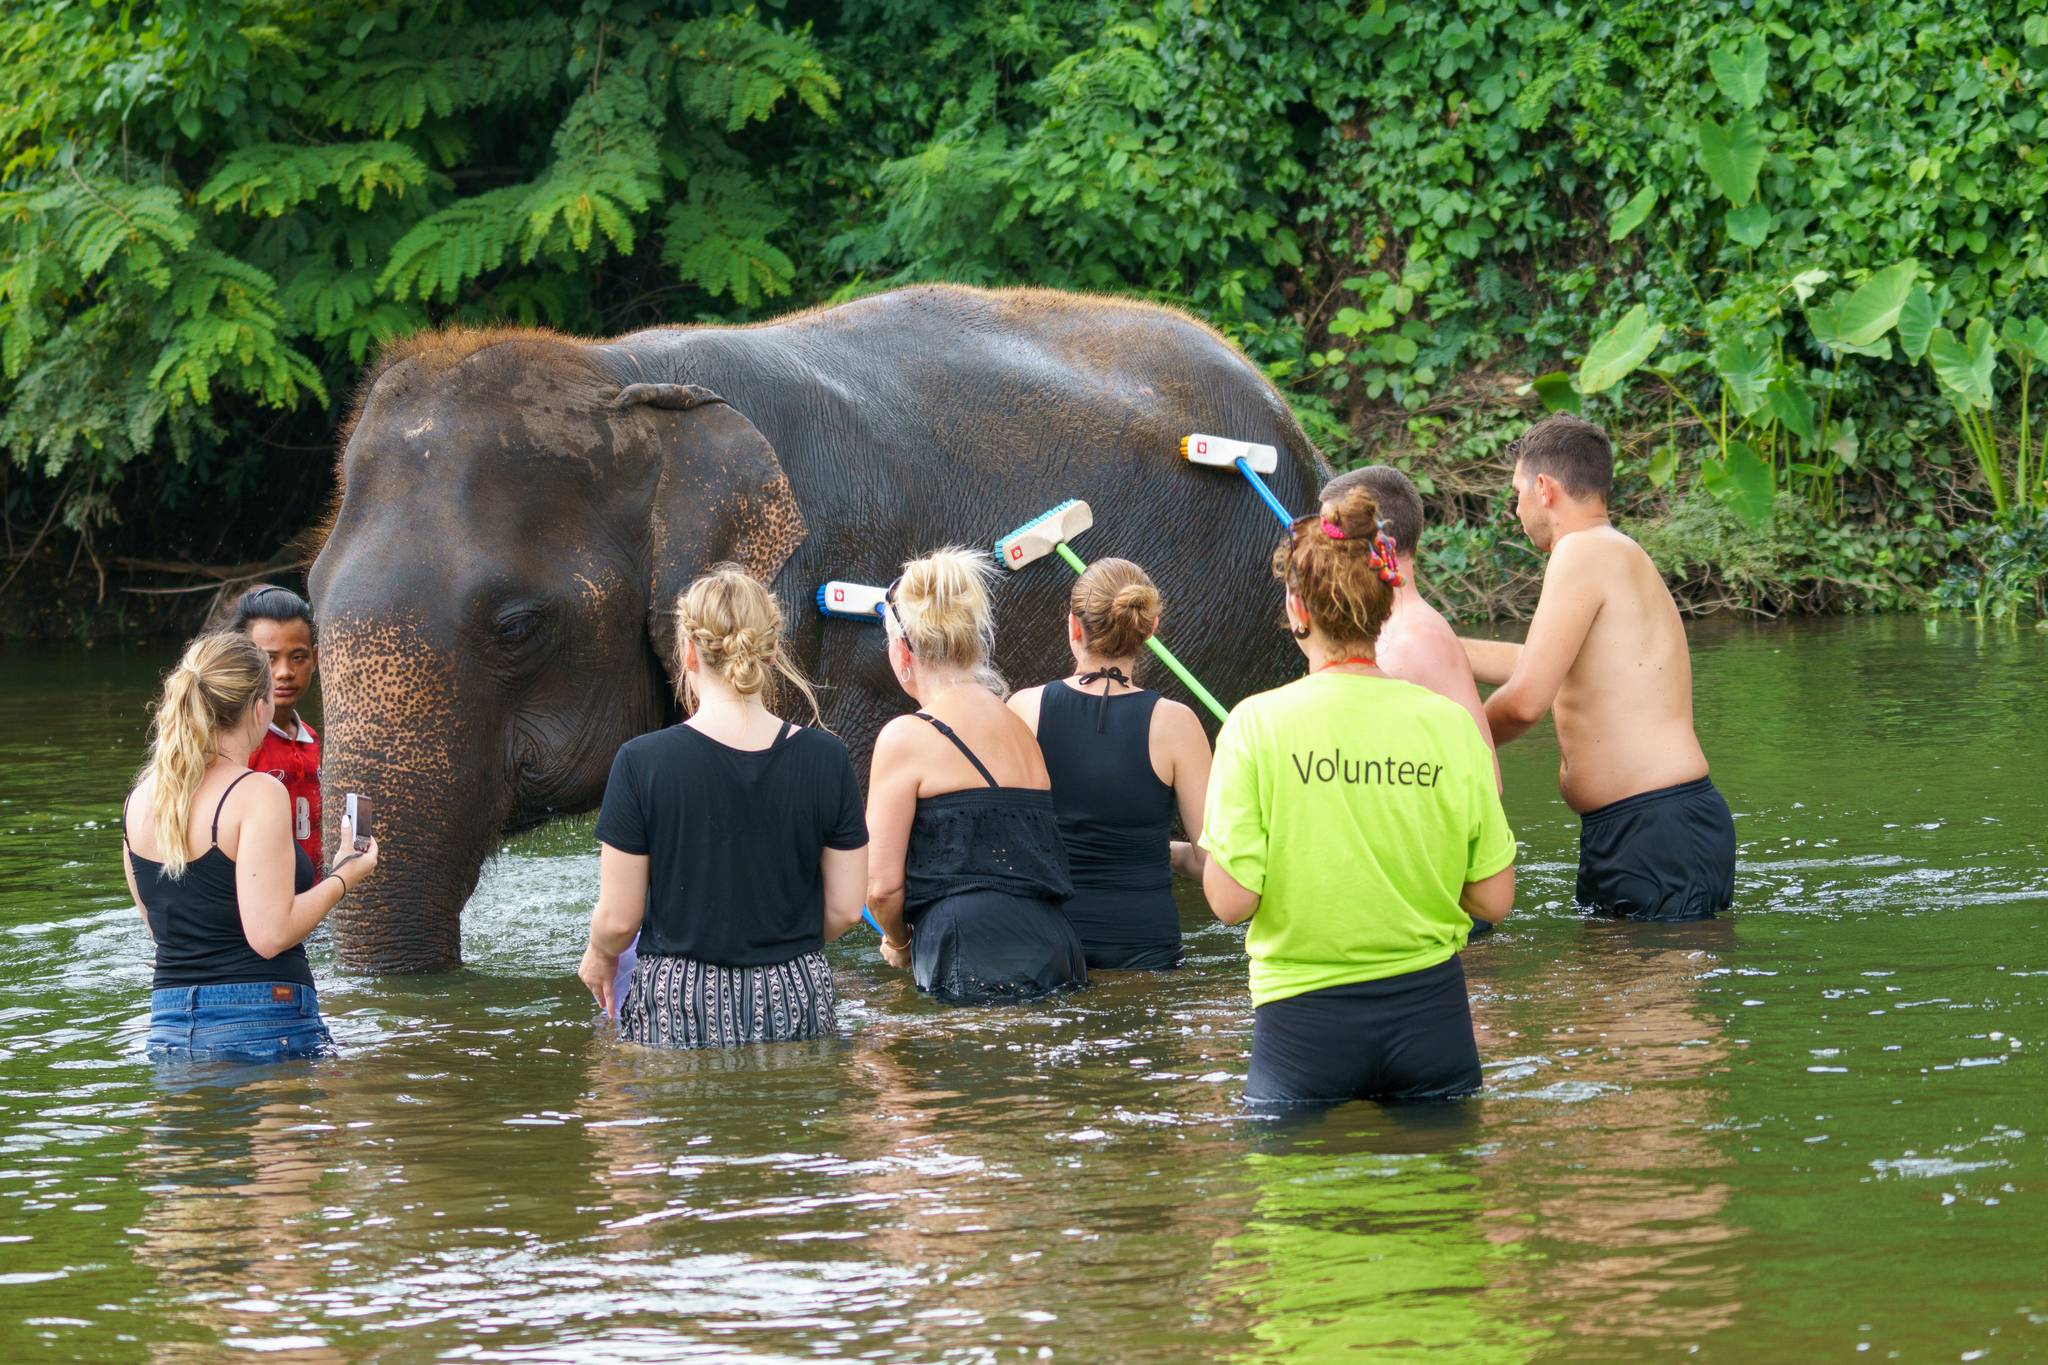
733	844
967	872
225	893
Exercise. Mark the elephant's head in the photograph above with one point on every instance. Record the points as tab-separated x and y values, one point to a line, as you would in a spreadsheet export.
495	601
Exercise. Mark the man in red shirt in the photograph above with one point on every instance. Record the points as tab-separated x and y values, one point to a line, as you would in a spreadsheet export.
280	623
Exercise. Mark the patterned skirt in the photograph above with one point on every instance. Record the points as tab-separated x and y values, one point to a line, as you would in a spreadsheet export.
681	1002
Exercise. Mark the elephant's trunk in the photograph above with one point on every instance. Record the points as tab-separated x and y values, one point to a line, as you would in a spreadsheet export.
398	731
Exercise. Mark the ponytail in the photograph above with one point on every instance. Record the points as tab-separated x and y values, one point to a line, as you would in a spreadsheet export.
213	686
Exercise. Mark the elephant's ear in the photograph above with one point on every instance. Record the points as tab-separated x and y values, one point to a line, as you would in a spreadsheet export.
722	495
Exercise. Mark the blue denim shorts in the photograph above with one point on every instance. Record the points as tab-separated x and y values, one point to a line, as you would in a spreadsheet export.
250	1021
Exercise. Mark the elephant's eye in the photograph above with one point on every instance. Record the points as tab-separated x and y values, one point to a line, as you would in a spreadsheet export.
517	626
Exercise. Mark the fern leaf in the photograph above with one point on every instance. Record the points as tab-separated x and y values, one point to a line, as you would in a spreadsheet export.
272	178
446	250
717	239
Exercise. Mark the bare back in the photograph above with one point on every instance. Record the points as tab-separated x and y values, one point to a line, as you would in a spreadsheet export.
1417	645
1624	708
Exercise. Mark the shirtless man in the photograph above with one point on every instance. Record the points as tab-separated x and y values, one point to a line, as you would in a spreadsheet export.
1416	644
1606	655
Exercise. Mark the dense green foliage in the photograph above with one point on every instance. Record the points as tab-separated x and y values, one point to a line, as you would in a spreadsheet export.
1790	252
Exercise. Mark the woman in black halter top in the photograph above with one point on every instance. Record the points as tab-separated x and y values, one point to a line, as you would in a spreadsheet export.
1123	762
229	919
965	867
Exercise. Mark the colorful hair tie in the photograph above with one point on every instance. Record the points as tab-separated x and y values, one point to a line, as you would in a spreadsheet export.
1332	529
1386	560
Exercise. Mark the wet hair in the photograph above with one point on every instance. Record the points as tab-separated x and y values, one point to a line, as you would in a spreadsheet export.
1400	505
1118	607
269	602
213	686
942	610
1346	594
1571	451
737	629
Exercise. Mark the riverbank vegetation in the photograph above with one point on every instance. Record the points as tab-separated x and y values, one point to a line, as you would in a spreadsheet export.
1792	255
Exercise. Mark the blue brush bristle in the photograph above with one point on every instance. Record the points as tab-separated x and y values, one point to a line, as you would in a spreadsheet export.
821	598
1046	515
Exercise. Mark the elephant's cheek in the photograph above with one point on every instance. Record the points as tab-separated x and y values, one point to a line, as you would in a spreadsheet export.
401	730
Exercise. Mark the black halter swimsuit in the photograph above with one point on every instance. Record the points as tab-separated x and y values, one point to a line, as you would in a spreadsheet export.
984	876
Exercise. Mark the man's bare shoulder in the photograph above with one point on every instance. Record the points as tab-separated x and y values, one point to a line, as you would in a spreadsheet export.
1592	558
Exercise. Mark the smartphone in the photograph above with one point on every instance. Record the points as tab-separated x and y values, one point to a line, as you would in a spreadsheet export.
356	810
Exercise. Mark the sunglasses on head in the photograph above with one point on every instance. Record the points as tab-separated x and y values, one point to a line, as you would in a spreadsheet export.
889	601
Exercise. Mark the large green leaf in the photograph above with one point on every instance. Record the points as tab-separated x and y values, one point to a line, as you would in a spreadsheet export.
1630	216
1749	224
1619	350
1742	481
2029	337
1793	406
1964	367
1745	368
1555	389
1872	309
1740	71
1732	156
1918	317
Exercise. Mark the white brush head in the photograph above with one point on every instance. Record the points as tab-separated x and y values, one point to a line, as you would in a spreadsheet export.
1035	539
1224	453
851	601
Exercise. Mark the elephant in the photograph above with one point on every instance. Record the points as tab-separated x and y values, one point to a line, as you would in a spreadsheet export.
518	511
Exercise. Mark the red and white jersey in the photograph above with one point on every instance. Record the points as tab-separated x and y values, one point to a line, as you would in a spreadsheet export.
295	761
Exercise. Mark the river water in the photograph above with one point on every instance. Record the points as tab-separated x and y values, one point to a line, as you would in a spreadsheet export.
1814	1128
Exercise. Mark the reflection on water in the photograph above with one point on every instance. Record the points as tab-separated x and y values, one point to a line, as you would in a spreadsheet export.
1814	1127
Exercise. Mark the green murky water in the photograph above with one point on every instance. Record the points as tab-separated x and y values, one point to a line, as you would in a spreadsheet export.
1814	1129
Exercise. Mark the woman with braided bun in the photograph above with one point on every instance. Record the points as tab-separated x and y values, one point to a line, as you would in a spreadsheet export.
1353	820
226	894
1123	760
968	872
732	844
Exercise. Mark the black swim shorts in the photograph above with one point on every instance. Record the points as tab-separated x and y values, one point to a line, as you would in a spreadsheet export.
1398	1039
1667	854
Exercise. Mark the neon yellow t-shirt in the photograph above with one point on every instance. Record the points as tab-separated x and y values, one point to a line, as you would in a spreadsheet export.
1357	808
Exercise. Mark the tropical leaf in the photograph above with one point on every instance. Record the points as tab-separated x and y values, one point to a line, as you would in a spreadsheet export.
1556	391
2028	337
1749	225
1873	307
1963	367
1630	216
1740	70
1747	370
1732	155
1793	407
1742	481
1619	350
1918	317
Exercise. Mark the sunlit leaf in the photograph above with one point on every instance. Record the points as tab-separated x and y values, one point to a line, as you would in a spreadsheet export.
1963	367
1619	350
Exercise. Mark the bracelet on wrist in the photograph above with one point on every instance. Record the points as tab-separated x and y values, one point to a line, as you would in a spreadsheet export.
336	876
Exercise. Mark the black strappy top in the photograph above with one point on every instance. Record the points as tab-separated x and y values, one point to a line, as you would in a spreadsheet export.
992	838
197	919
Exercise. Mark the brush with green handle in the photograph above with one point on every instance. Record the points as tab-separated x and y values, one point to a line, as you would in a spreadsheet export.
1048	534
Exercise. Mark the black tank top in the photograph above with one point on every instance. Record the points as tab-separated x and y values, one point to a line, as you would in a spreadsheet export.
197	919
991	838
1115	815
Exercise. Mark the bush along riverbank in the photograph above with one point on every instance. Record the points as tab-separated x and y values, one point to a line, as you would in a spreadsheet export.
1790	254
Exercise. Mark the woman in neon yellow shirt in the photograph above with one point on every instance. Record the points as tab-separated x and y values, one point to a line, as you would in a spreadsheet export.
1353	819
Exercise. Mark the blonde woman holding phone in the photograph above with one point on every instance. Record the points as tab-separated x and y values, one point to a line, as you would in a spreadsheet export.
226	894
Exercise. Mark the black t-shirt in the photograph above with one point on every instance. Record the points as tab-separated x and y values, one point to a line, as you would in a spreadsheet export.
732	840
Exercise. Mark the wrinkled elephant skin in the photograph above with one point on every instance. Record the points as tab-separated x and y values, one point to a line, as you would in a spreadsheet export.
519	511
